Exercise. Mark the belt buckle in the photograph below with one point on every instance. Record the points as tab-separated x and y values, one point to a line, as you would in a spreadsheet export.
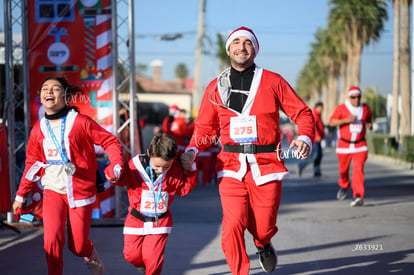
149	219
249	148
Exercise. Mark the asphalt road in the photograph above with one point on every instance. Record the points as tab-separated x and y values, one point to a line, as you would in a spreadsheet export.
317	234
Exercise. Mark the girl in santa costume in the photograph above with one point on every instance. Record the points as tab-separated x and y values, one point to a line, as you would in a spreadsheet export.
152	181
352	117
242	107
61	154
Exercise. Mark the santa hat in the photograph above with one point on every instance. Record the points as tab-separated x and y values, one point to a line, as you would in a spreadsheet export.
173	110
354	91
243	31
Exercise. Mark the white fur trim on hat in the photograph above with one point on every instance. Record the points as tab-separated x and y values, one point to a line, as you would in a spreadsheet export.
354	91
242	31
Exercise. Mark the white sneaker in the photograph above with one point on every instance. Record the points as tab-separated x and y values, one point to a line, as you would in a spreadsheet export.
95	263
357	201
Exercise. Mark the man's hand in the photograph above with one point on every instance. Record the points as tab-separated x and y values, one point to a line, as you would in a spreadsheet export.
303	149
187	160
350	119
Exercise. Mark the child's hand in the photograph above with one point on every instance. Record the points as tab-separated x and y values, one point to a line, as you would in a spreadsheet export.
17	209
187	160
113	172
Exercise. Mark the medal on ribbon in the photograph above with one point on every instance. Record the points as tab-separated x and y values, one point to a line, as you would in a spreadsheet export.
70	168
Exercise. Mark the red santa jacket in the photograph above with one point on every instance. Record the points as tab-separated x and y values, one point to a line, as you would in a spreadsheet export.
351	138
136	179
319	128
268	94
178	129
81	133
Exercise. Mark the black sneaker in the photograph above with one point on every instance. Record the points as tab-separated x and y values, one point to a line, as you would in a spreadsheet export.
299	170
141	270
341	195
357	201
268	257
317	175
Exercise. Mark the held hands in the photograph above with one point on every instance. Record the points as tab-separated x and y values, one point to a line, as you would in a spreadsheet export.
113	172
303	149
187	160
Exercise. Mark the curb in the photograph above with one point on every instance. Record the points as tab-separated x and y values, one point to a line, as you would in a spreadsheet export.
399	162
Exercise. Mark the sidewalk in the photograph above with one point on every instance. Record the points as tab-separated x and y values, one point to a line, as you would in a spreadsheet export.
317	233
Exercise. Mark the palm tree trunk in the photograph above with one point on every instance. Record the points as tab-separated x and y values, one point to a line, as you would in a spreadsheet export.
356	77
405	123
325	97
344	82
396	71
333	98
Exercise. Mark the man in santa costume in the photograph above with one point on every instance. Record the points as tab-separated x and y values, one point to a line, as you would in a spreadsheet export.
175	125
352	118
242	107
61	154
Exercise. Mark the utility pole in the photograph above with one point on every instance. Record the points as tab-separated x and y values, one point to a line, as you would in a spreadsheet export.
197	89
412	78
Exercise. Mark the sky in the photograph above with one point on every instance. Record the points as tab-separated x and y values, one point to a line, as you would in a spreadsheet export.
285	30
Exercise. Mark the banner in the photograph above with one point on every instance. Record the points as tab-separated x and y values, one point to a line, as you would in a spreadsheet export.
5	196
72	39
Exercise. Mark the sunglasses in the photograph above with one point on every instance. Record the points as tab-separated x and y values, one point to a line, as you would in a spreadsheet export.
353	97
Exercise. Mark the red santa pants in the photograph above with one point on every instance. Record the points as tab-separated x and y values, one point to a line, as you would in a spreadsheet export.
246	205
358	163
146	251
55	211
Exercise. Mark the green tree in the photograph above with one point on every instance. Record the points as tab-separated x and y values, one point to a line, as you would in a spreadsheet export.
363	23
377	103
181	72
223	58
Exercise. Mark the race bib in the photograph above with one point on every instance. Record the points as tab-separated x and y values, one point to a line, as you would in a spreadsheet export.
243	129
356	127
52	154
148	203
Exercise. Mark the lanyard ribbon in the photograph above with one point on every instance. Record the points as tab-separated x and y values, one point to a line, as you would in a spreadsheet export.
157	195
60	147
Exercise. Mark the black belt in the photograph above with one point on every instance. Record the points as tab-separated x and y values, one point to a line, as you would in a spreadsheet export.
144	218
350	141
249	148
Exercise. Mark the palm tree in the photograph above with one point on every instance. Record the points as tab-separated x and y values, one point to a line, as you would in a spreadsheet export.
405	120
396	71
331	52
363	22
181	72
224	60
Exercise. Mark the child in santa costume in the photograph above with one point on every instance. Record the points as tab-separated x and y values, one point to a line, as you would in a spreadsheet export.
61	154
152	181
242	107
352	118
